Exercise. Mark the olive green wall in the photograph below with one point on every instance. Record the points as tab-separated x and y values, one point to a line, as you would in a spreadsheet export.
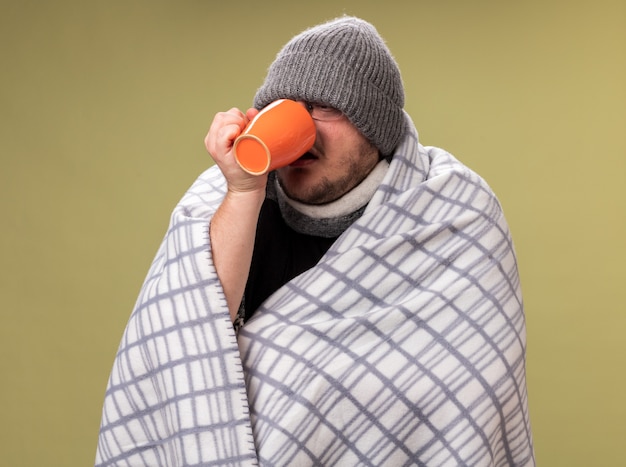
104	107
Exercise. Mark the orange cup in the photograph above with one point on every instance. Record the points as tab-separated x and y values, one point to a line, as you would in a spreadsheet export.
279	134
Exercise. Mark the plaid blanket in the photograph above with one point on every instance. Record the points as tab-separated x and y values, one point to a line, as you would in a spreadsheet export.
405	345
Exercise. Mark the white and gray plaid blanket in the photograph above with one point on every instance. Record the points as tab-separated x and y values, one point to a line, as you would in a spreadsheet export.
405	345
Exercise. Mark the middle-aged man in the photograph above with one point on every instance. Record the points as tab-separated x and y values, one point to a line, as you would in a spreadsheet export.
360	306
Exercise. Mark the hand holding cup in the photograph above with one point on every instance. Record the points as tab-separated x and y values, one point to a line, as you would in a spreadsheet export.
278	135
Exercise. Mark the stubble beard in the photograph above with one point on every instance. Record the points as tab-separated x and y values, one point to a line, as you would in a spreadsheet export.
326	190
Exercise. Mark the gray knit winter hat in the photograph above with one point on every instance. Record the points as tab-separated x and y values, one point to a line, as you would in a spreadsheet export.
345	64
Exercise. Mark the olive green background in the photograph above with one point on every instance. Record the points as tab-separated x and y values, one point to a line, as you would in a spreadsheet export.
104	107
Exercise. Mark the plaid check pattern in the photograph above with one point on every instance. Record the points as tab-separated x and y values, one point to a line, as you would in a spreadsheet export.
405	345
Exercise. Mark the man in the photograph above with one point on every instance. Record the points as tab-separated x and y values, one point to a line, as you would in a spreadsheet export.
373	284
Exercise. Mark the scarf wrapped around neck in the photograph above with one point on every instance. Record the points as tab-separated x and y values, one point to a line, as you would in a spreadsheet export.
331	219
405	345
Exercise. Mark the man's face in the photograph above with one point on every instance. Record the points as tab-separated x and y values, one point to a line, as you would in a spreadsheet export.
339	160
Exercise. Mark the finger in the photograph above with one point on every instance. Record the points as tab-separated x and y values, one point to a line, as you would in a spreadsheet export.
227	134
225	127
251	113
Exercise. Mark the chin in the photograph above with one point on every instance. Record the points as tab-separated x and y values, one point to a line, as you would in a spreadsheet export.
303	186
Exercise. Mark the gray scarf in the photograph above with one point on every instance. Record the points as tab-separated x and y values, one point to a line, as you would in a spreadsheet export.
330	219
